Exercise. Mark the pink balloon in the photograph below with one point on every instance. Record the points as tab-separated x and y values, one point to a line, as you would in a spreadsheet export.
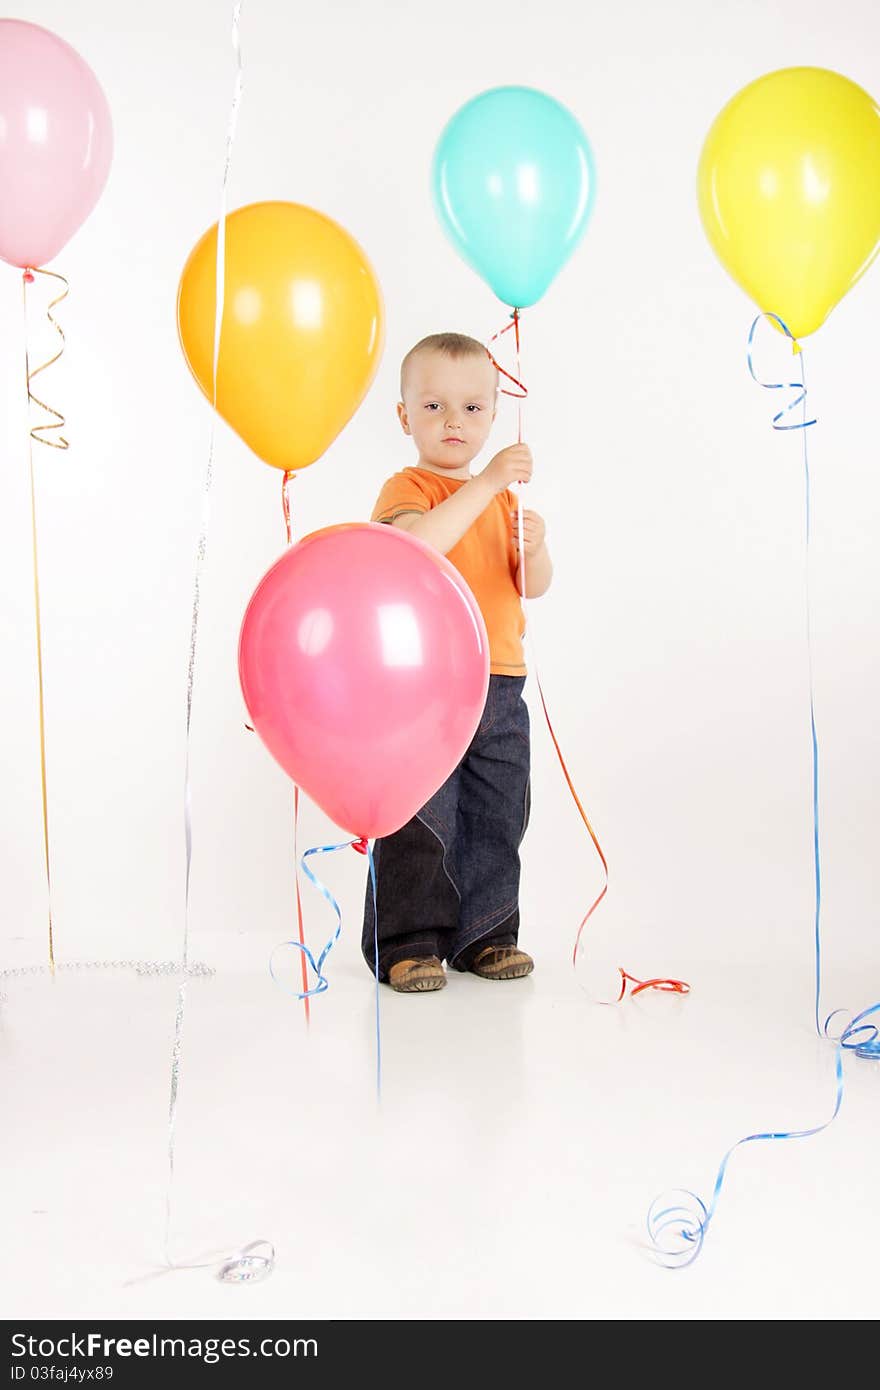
364	663
56	142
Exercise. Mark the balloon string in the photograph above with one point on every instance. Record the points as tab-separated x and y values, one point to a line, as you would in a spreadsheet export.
667	986
286	480
41	434
677	1229
519	396
299	911
321	982
662	985
202	545
803	424
244	1266
857	1036
519	506
372	864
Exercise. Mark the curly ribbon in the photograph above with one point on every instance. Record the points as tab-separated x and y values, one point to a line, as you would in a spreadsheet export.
662	985
679	1220
861	1038
322	983
242	1266
321	980
42	434
799	386
248	1266
677	1230
286	480
523	392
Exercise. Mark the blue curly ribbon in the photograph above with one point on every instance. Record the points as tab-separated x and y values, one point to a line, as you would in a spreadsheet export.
852	1039
677	1227
678	1221
782	385
322	982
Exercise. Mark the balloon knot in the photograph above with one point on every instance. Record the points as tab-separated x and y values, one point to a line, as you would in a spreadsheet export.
28	277
795	347
360	845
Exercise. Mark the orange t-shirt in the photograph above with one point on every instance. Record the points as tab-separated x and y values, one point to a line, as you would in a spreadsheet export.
485	557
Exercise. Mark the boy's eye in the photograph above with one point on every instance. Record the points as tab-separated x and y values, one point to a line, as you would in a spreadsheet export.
432	405
473	407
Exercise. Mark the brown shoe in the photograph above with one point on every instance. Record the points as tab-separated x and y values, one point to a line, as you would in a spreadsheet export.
417	976
502	963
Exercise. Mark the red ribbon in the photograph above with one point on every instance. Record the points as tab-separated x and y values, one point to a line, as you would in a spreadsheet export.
664	986
522	393
299	910
285	502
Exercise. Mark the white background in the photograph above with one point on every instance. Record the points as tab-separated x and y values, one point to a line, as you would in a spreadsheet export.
673	640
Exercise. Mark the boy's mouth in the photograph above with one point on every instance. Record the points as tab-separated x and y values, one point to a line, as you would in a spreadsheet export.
451	439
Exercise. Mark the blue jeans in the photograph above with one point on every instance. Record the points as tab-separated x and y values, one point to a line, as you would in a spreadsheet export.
447	883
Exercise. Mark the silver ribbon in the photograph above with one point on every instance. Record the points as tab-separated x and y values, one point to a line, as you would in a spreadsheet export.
244	1266
143	968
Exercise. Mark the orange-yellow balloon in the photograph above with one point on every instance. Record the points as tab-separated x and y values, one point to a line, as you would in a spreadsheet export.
789	191
302	331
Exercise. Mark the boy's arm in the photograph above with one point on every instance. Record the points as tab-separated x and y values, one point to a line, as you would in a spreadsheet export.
539	573
539	566
444	525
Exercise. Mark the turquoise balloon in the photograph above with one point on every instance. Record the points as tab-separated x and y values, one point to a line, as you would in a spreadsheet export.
513	181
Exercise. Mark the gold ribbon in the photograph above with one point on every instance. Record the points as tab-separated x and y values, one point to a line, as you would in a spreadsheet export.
42	434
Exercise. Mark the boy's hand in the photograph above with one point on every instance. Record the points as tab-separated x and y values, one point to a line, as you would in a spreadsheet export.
509	466
534	531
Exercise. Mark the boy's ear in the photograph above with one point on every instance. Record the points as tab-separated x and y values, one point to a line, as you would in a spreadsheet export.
403	417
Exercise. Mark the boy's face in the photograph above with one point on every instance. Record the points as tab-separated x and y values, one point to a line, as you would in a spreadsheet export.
448	409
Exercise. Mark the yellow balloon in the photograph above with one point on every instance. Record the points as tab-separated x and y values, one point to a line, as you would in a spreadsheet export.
789	191
302	330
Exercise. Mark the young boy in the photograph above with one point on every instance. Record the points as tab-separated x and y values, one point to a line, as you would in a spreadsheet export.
448	881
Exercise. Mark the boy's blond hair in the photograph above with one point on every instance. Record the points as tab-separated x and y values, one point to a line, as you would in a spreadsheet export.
453	344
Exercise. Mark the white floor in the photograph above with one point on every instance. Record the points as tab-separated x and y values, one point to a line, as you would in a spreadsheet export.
521	1135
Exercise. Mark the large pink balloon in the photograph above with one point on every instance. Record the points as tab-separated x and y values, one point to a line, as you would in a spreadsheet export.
364	663
56	142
